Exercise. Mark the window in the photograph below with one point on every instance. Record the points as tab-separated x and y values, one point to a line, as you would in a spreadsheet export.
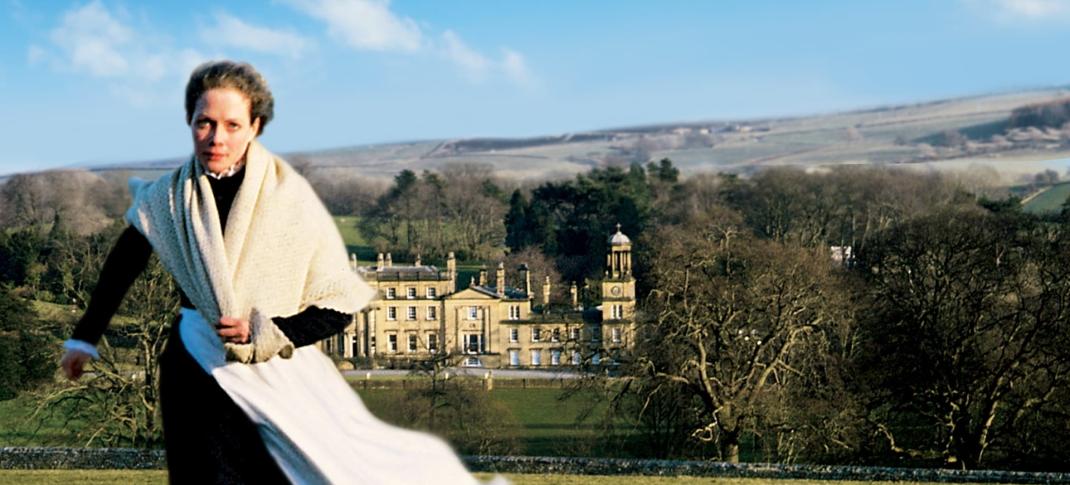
412	342
391	293
410	314
432	342
473	362
556	335
576	357
514	312
514	357
555	357
536	357
410	292
616	335
371	343
473	343
392	342
473	313
596	334
391	313
432	313
536	334
432	292
574	334
615	312
514	334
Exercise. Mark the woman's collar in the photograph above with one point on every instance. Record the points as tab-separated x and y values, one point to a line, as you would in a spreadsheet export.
228	172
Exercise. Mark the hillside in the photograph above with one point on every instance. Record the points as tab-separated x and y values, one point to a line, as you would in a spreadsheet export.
964	130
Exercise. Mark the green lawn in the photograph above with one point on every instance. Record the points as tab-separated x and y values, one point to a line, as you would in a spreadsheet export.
548	425
1051	200
347	226
19	428
355	243
95	477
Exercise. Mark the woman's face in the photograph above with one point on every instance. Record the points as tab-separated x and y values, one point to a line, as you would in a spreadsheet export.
222	129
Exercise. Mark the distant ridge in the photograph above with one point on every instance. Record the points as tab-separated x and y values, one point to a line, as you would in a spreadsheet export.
904	133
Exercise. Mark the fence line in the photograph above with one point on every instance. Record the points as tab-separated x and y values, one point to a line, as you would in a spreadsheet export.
24	458
466	382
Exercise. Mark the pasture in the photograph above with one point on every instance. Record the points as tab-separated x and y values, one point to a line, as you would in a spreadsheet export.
1051	200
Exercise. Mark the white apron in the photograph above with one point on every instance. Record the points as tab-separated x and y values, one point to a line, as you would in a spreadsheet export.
315	425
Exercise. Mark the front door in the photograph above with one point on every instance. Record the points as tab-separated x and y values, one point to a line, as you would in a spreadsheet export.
473	343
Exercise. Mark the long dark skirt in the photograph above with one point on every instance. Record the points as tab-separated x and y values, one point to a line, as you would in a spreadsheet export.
208	438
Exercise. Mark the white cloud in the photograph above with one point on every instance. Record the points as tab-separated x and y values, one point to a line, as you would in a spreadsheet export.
91	39
231	31
472	63
516	68
1022	10
370	25
364	24
477	66
1034	8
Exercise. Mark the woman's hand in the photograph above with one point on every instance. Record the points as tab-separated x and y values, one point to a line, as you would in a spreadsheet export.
233	330
73	363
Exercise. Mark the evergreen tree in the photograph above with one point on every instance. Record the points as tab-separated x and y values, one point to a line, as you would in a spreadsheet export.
517	227
25	358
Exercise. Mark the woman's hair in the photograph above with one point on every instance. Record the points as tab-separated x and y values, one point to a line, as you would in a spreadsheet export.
239	76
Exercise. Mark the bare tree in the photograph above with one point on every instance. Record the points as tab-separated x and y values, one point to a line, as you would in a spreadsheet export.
727	321
118	400
67	198
475	211
539	268
965	334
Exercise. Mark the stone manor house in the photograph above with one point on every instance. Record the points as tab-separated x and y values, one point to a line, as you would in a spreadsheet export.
420	310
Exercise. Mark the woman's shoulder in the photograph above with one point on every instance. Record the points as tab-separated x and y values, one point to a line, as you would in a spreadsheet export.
290	180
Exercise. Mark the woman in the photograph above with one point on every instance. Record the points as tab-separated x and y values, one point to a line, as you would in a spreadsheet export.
262	273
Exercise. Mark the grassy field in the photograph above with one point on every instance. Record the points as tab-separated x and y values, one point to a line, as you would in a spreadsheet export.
1051	200
19	428
100	477
355	243
547	424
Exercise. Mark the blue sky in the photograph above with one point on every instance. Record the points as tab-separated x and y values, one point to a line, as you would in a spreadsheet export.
102	80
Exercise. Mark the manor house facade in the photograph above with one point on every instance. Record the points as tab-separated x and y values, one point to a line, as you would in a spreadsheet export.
420	311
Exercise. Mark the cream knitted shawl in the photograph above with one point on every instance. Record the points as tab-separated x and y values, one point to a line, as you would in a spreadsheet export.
281	252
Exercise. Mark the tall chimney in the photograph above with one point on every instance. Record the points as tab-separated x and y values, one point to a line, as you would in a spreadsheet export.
353	261
483	275
546	294
389	260
575	296
417	262
379	262
451	272
526	273
499	279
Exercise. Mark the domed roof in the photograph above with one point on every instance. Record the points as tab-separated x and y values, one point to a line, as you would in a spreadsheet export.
619	239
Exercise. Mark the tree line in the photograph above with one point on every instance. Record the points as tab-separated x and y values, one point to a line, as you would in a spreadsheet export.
939	339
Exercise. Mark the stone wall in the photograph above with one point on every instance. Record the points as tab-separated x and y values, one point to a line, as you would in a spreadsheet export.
613	466
122	458
80	458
